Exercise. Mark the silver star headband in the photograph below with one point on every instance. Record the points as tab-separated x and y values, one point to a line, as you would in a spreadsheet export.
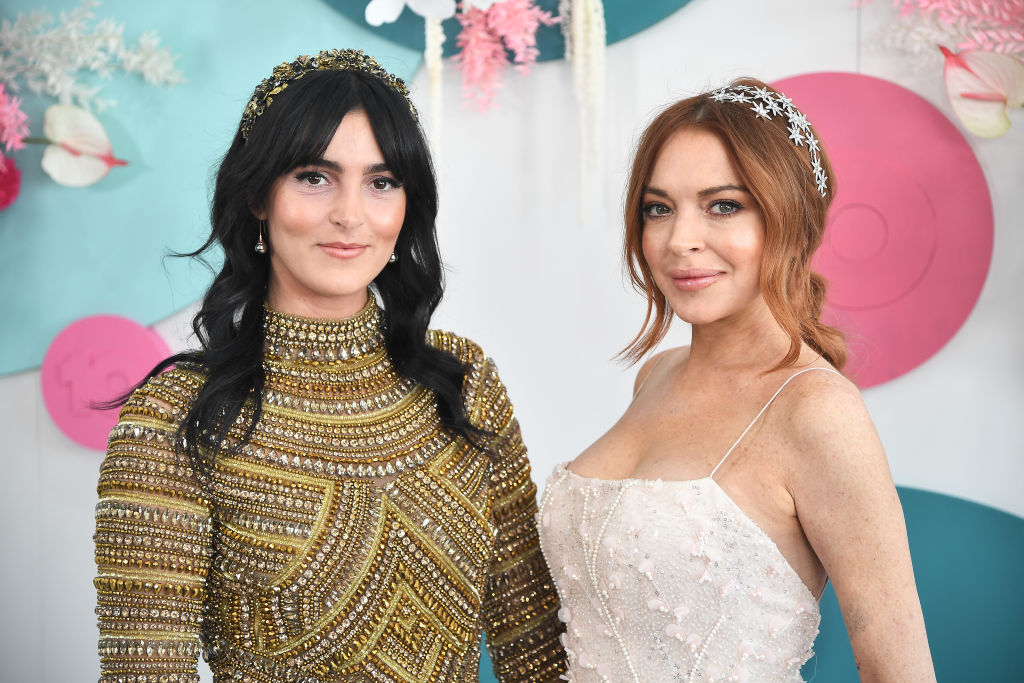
766	103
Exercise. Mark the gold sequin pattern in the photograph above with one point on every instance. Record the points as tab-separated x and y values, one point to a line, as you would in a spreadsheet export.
351	539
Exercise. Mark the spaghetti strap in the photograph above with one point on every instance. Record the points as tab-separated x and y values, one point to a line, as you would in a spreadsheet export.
758	416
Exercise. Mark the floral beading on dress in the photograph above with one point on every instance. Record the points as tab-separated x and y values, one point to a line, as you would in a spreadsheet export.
670	581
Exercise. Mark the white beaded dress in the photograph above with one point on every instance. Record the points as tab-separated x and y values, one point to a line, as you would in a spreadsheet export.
671	581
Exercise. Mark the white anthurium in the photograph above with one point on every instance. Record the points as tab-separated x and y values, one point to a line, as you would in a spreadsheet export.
981	86
79	151
387	11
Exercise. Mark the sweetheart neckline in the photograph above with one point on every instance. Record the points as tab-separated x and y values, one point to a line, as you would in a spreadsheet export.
564	466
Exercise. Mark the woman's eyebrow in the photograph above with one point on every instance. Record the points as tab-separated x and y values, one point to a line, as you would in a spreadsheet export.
655	191
722	188
336	167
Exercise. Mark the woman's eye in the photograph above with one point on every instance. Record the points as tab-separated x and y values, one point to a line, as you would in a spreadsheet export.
655	210
311	178
724	207
383	183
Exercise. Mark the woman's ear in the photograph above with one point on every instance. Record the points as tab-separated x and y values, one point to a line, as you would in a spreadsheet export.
258	211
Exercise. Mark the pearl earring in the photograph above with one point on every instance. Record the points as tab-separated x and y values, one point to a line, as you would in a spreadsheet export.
261	246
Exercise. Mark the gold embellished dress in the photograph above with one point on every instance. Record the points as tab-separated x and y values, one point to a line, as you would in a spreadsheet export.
351	539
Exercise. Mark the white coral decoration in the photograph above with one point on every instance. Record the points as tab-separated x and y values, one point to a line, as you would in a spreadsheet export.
918	38
765	103
47	57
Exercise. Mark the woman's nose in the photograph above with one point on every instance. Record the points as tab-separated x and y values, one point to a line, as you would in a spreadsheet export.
346	209
686	235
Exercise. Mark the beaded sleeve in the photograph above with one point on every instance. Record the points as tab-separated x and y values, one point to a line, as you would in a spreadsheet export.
520	603
152	541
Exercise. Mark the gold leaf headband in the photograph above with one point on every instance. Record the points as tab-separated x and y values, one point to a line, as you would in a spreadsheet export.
338	60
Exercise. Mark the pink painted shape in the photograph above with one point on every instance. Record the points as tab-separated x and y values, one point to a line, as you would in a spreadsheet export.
909	237
95	359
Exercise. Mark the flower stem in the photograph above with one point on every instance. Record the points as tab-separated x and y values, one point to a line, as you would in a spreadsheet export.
38	141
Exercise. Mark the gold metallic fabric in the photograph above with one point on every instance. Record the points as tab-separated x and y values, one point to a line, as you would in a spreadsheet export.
351	538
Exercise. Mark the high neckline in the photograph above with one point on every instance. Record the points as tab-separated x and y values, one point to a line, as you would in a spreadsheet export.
296	338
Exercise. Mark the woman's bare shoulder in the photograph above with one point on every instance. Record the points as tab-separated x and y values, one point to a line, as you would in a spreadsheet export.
660	360
828	427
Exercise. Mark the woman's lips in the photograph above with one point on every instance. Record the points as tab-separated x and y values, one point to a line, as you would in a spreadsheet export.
694	278
342	249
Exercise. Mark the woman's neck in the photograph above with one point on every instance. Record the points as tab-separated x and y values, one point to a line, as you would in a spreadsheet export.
316	307
752	340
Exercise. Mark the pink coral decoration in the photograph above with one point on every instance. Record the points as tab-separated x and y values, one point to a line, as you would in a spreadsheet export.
482	59
510	25
990	25
981	86
13	122
10	181
517	21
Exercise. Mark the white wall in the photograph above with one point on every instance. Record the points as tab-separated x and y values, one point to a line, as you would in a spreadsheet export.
536	279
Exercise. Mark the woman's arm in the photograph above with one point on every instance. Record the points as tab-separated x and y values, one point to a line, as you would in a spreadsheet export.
847	505
152	543
520	602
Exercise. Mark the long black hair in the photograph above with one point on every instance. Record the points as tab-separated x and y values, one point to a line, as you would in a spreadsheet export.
296	131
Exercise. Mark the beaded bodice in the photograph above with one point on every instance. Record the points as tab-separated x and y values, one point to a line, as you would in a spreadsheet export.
350	539
671	581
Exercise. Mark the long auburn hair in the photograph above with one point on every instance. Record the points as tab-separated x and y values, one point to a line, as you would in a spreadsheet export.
779	176
295	131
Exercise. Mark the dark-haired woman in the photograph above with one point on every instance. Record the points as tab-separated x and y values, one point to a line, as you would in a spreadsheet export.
324	491
693	540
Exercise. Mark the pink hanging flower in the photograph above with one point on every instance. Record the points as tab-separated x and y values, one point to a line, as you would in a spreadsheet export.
481	58
79	152
981	86
10	181
486	37
517	21
13	122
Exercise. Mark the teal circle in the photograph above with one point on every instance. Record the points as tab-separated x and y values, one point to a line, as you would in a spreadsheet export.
622	18
67	253
968	562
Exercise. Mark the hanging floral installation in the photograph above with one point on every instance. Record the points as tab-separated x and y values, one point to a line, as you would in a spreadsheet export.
486	38
65	59
490	31
583	29
984	79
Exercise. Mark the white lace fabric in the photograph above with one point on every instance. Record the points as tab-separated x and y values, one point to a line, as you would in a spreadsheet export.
671	581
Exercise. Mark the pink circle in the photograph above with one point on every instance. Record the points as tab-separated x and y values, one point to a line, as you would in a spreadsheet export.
92	360
909	236
857	233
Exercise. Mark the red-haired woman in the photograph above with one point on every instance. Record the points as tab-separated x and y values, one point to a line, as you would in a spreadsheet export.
693	540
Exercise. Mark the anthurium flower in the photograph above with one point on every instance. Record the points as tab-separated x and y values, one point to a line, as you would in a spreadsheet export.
79	152
980	86
387	11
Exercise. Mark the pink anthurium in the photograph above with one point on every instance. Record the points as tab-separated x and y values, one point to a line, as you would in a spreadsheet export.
79	151
981	86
